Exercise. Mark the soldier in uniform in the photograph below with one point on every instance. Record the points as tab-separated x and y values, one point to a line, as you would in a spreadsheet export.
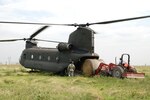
71	69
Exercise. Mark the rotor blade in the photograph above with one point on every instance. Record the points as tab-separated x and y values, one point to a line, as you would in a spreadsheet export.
12	40
46	40
47	24
119	20
87	24
37	32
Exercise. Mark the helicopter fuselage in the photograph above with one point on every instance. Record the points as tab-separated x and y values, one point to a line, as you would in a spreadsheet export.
80	47
53	60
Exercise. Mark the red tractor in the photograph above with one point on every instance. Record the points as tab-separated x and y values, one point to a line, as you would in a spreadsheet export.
121	70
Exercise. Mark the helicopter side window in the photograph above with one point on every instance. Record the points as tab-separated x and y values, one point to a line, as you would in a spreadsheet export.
40	57
32	56
48	58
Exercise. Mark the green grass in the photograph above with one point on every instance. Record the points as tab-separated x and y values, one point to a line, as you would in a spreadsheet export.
16	83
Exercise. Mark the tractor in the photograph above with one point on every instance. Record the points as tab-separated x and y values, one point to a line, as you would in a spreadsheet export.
121	70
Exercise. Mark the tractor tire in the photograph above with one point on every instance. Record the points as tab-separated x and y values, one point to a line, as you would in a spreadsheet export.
117	72
103	73
133	70
89	66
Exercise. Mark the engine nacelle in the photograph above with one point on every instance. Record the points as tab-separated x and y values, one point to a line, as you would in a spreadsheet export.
64	46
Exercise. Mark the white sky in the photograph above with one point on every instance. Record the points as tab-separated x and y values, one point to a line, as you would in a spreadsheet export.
111	41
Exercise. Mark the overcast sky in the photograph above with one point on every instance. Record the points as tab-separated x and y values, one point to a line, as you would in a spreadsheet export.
111	40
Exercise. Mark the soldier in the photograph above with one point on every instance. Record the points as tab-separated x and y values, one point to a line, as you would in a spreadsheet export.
71	69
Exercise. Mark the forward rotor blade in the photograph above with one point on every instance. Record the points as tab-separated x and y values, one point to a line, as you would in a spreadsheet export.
119	20
12	40
46	40
38	31
87	24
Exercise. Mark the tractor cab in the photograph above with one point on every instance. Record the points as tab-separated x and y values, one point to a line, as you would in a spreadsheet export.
125	62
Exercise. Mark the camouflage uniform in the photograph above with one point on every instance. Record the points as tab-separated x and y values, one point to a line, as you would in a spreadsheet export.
71	69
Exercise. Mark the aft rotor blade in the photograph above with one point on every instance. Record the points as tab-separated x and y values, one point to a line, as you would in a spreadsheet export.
38	31
47	24
119	20
47	40
12	40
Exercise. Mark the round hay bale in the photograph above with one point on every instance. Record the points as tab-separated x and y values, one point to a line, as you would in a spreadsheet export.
90	65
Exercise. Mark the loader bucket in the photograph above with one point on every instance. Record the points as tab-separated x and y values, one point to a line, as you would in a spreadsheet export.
134	75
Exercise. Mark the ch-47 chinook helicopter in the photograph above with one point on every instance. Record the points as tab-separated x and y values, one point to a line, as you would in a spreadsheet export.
79	48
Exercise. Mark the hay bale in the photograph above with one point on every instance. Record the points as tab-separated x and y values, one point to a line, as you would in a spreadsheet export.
90	65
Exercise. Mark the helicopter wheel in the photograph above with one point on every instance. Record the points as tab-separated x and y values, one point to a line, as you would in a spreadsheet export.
63	73
32	70
89	66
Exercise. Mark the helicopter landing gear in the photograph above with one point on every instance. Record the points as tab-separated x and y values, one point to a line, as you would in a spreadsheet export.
33	71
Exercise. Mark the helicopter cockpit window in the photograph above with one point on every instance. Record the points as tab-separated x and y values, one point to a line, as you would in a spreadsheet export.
40	57
49	58
32	56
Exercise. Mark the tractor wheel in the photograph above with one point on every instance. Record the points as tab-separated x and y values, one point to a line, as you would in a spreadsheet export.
103	73
133	70
89	66
117	72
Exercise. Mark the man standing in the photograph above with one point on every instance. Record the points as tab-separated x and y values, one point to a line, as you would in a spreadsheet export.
71	69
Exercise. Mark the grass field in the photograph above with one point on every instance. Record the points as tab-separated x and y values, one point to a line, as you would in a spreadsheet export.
16	83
